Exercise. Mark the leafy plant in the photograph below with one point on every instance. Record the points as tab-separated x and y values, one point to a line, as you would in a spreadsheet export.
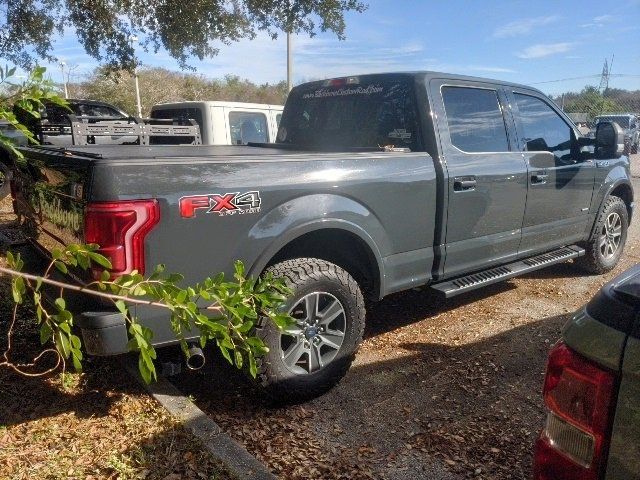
27	97
214	310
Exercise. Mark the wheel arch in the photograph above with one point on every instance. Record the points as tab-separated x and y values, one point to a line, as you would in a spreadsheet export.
340	242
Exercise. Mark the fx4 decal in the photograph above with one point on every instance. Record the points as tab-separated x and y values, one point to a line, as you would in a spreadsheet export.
221	204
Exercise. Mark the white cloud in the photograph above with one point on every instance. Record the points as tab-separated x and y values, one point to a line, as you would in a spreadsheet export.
523	27
544	50
599	21
490	69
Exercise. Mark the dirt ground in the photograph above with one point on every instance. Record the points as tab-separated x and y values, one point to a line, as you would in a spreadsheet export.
439	389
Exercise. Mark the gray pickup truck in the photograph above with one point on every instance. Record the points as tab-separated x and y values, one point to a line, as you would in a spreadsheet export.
377	184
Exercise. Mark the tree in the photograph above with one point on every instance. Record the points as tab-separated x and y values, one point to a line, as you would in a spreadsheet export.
184	29
159	85
29	96
591	102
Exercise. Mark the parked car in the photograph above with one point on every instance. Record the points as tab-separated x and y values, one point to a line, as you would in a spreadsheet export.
592	390
630	124
54	126
227	123
376	184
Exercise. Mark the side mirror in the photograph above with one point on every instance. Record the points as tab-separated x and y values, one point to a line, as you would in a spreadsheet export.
609	140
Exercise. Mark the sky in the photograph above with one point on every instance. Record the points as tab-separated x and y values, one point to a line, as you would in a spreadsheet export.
520	41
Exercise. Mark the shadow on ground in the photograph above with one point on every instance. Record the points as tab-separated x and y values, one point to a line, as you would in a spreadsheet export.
474	407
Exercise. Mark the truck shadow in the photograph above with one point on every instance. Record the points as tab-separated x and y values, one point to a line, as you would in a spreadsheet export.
413	406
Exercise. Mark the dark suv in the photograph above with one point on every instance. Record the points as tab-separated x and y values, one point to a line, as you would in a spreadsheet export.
55	126
592	390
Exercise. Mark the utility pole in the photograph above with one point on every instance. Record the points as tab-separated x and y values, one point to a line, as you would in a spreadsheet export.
289	62
132	39
64	80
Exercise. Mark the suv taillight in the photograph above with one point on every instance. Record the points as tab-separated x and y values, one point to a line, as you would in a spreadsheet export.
578	394
120	229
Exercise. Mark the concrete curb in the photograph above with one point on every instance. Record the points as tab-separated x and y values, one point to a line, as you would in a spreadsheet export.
223	448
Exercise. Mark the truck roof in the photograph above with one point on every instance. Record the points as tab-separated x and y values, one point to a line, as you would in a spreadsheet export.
426	75
218	103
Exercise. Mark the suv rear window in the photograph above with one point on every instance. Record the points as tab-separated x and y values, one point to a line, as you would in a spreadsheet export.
352	115
248	127
178	113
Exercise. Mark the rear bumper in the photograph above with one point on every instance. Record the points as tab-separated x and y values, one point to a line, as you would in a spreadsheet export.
103	333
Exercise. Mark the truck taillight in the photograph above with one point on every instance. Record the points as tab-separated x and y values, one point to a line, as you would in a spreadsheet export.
579	395
120	229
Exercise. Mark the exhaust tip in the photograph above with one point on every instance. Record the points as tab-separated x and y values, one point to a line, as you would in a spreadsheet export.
195	359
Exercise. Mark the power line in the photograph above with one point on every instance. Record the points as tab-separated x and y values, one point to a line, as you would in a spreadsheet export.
599	75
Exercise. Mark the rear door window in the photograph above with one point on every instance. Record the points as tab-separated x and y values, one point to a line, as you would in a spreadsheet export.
475	119
245	127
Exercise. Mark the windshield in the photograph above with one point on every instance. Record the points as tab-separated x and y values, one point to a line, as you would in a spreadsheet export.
619	119
355	115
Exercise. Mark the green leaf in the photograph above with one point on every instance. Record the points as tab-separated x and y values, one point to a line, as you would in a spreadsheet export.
145	373
64	326
245	327
105	276
45	333
239	268
253	369
62	343
76	362
100	260
15	292
75	342
225	353
60	303
238	356
38	283
182	296
120	305
61	266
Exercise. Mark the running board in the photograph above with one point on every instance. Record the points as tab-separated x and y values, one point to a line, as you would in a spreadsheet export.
454	287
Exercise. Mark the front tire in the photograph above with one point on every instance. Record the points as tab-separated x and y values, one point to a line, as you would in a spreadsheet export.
315	353
608	237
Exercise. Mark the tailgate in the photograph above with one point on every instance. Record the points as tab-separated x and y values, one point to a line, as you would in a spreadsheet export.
50	191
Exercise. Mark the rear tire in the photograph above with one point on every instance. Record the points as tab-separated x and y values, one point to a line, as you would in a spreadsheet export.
318	350
608	237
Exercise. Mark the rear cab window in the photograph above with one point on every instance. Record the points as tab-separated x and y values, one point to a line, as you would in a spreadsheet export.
245	127
352	113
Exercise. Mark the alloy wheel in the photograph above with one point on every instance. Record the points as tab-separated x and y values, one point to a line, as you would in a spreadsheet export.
317	335
610	235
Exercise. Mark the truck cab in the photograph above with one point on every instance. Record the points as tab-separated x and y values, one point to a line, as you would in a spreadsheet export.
226	123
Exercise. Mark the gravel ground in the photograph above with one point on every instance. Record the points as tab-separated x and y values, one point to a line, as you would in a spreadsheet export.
439	390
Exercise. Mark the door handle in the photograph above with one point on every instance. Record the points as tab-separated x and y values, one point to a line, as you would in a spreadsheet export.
539	178
461	184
